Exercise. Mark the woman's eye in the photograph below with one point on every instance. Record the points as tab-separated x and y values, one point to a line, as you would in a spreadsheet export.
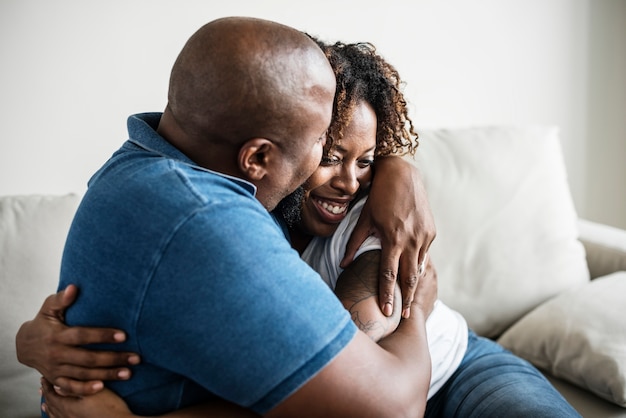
365	163
329	160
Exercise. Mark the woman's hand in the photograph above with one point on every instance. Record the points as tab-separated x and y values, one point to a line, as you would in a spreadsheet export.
54	349
104	404
397	211
107	404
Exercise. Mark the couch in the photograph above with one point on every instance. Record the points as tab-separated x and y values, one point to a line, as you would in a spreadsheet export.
511	255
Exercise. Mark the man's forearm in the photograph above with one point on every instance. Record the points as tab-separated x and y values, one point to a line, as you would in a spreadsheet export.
357	289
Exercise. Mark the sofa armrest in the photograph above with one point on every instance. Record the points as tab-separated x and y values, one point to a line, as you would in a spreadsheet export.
605	246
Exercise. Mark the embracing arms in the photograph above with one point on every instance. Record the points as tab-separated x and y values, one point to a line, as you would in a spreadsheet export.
54	349
357	289
395	221
398	212
401	365
365	379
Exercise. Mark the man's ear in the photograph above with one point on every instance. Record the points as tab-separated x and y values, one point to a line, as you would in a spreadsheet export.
254	157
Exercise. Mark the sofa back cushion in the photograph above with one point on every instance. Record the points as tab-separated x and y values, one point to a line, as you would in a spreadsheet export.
506	225
32	235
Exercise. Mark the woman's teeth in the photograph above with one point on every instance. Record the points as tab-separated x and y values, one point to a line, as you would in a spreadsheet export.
336	210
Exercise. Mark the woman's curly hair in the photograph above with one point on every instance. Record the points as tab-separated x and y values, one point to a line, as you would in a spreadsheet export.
363	75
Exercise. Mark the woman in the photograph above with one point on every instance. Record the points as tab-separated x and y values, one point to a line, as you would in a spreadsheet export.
470	375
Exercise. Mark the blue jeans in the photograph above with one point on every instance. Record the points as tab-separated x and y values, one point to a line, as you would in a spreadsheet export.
493	382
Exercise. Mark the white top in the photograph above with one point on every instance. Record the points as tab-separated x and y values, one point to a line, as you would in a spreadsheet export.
446	329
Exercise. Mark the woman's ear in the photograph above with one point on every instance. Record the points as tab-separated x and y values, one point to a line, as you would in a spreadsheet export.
254	157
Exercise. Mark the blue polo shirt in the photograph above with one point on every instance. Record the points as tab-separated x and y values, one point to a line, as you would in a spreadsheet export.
200	276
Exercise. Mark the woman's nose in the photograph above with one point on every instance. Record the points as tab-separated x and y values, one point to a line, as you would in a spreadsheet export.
347	180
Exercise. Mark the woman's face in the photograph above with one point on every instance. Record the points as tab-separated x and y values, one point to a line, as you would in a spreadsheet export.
345	170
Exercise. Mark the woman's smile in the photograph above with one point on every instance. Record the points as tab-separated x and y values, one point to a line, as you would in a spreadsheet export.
330	211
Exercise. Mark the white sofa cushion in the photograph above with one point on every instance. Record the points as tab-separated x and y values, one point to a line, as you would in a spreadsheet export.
32	235
579	336
506	224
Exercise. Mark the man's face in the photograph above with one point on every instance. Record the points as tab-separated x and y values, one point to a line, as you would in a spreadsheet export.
299	157
304	102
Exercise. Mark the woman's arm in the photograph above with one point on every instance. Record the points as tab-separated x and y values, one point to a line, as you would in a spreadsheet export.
390	378
357	288
107	404
55	350
398	212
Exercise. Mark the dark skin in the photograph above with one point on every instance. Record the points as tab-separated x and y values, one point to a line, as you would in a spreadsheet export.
356	287
260	139
276	166
406	227
108	405
365	76
405	233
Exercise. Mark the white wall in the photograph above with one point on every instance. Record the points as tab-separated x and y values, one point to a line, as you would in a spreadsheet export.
73	70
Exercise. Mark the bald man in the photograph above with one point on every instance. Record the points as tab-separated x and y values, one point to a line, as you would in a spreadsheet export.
173	244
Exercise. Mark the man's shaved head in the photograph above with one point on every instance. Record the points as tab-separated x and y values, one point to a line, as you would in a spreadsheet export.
239	78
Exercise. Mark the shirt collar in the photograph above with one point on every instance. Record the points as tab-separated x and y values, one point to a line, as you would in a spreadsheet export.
142	130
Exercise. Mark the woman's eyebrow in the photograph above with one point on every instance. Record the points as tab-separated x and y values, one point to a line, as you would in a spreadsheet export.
343	150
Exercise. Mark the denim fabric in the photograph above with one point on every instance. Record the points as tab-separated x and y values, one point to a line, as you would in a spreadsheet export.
492	382
202	279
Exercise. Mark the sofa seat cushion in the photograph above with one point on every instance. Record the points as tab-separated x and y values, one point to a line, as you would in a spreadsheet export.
579	336
506	224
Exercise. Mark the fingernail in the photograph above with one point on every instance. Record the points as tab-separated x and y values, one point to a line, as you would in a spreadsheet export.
388	309
97	386
406	312
123	374
133	359
119	337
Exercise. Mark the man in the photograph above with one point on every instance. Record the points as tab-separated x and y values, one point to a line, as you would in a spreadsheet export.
171	244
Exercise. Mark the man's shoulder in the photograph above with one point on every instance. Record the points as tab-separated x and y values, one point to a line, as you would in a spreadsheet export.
137	171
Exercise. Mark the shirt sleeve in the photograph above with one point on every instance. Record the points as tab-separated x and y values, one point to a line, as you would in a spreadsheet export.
244	317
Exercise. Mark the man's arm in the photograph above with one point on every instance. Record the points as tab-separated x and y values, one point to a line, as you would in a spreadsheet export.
107	404
357	289
390	378
403	360
370	374
398	212
396	376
